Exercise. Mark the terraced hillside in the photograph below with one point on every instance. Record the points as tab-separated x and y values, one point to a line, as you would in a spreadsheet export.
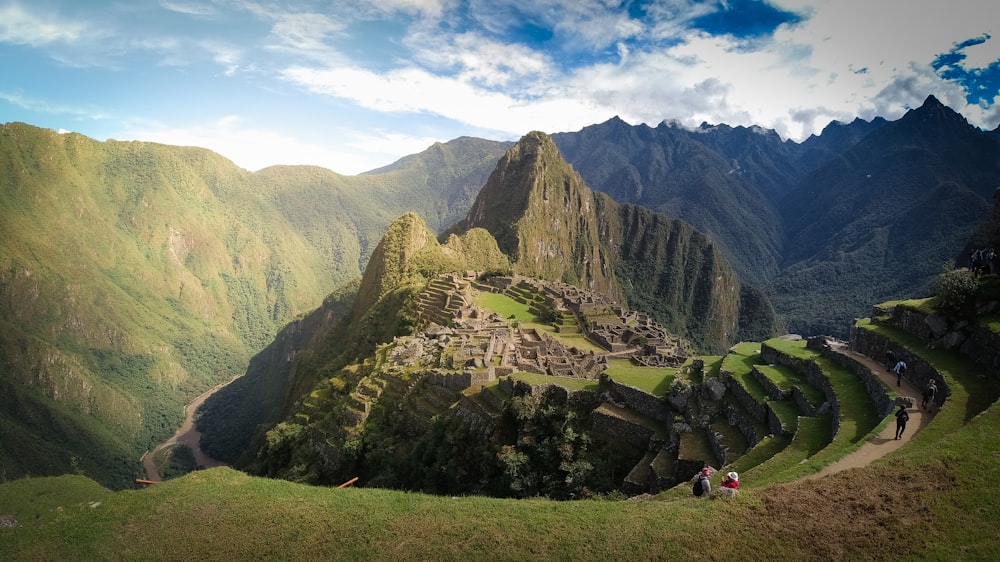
491	355
799	406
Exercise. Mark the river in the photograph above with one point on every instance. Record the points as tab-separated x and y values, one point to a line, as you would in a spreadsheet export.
187	435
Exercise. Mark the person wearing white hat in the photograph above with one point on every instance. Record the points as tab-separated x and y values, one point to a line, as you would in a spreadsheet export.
730	484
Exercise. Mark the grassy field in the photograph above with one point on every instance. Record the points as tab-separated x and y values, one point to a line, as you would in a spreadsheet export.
513	310
654	380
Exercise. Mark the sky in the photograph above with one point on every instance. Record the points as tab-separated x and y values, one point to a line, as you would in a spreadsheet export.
355	85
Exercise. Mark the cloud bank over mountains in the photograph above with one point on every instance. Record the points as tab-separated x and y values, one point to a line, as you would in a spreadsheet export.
355	85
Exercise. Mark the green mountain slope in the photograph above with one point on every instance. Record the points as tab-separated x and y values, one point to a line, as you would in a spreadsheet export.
134	276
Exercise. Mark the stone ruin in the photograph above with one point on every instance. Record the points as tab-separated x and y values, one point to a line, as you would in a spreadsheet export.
457	334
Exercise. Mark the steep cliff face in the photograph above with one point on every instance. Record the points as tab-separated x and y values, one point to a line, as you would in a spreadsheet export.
677	274
544	217
553	226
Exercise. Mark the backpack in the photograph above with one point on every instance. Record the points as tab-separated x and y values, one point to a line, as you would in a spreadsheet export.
698	489
903	417
902	369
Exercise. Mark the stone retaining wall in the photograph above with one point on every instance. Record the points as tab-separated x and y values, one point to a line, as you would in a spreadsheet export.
876	389
474	417
640	401
975	342
615	427
761	412
918	371
813	374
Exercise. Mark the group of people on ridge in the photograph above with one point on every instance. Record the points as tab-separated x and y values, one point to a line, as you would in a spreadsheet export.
982	261
729	485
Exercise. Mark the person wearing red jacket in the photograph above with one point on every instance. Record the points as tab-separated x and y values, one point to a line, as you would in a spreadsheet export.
730	484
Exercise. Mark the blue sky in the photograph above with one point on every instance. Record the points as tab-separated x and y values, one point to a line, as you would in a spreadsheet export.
352	86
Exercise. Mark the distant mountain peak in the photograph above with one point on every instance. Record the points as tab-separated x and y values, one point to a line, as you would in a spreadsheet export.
932	101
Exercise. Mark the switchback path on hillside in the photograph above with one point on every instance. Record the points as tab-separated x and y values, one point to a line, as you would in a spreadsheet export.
187	435
885	442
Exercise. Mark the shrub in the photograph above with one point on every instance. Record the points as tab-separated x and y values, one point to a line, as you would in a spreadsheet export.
956	291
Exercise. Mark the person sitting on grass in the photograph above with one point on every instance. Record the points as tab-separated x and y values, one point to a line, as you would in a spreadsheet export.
702	486
730	484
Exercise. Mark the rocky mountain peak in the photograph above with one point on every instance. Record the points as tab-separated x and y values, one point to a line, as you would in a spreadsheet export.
543	216
404	238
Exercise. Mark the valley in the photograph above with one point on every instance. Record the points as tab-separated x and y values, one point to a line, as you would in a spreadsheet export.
186	435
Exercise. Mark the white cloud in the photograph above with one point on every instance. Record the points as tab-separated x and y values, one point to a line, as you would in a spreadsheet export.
188	8
480	59
852	58
305	32
23	28
254	149
427	8
417	91
47	107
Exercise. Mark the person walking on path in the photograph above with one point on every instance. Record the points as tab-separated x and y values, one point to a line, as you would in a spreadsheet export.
929	394
901	418
899	369
890	360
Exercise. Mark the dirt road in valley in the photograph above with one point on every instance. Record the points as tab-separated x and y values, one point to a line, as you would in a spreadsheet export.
885	442
187	435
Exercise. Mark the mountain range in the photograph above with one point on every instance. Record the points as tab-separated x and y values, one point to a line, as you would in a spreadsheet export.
136	275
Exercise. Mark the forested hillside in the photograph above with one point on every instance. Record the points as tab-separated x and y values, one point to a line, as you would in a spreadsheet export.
134	276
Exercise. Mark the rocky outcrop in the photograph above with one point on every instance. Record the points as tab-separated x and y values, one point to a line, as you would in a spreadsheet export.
554	227
977	342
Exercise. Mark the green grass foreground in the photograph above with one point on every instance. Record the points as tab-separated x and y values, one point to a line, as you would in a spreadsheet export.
222	514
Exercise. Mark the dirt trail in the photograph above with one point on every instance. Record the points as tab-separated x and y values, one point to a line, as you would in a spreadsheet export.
885	442
187	435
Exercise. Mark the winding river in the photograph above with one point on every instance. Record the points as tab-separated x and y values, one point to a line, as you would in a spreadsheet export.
187	435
